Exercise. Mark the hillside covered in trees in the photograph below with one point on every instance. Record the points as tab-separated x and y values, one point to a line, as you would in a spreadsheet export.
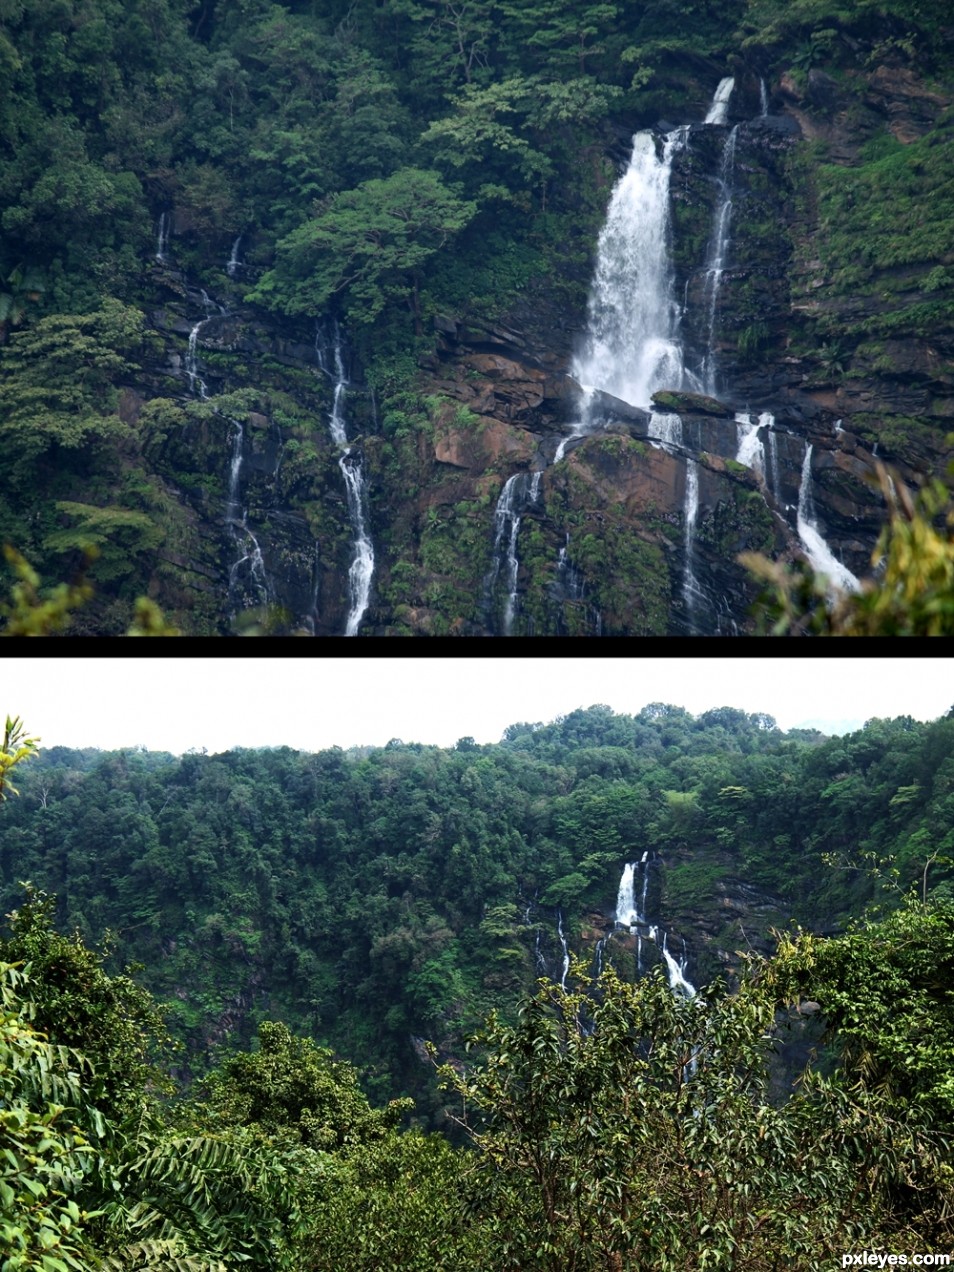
294	305
600	1118
372	899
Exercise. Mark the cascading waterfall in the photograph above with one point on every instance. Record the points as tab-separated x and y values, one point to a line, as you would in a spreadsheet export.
718	250
507	516
626	912
822	559
248	580
665	428
763	99
566	951
361	570
631	916
751	450
676	970
247	577
631	349
719	110
234	263
197	386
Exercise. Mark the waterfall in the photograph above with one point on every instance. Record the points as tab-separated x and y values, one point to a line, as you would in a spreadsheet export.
507	515
631	349
566	951
665	428
719	110
626	913
250	553
196	383
691	591
822	559
162	238
633	917
751	451
763	98
677	971
715	266
233	262
361	570
774	483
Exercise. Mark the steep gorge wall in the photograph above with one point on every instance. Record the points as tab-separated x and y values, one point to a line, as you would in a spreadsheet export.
602	549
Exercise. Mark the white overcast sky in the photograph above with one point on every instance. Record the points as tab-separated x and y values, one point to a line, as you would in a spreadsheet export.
174	704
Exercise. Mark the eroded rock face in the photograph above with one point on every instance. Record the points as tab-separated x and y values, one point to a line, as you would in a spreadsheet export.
610	537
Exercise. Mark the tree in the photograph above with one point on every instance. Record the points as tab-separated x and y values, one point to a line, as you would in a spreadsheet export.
621	1126
367	248
110	1020
17	747
58	392
290	1084
44	1150
884	992
27	284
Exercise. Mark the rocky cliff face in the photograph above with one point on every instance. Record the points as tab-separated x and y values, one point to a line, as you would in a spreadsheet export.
629	533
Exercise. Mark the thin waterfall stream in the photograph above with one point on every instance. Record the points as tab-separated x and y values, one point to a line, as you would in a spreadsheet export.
718	252
248	584
361	569
822	559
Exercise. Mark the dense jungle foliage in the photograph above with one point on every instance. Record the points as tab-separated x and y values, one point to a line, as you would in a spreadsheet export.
384	161
374	898
608	1125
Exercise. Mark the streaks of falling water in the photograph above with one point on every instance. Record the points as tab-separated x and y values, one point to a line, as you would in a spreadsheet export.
751	450
361	569
631	348
631	916
719	110
676	969
763	99
507	517
718	251
665	428
566	951
247	575
822	559
233	264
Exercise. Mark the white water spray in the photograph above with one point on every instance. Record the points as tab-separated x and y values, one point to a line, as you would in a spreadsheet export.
676	969
665	428
565	947
718	251
234	263
631	348
751	449
506	528
719	110
822	559
361	570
